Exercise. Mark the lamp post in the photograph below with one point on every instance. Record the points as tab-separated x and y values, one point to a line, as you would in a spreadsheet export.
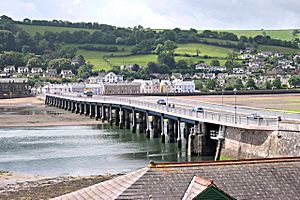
234	90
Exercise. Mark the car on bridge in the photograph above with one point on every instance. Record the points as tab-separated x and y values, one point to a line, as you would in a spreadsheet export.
161	102
254	116
198	109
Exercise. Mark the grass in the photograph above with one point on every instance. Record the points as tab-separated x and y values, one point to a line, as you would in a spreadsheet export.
284	34
33	29
213	51
283	50
222	157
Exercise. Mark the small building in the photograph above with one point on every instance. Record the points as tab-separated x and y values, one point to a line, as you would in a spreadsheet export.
176	76
67	74
23	70
50	73
9	69
112	78
77	87
121	88
14	87
36	70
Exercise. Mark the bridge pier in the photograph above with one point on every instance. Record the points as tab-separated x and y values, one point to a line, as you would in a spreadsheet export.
147	125
117	116
110	115
103	113
179	136
127	119
162	127
133	126
171	131
155	128
92	110
121	122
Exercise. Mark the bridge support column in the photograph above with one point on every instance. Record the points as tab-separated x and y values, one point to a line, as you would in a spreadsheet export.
133	126
155	122
103	113
110	115
92	111
147	125
117	116
142	122
86	108
171	131
76	107
127	119
162	127
179	137
121	122
96	112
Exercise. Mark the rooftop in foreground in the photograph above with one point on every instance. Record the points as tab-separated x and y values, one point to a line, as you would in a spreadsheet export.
275	178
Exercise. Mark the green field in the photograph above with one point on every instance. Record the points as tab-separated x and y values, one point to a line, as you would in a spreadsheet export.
208	50
32	29
285	34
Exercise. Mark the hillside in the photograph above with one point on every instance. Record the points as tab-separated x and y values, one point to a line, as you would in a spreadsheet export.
187	52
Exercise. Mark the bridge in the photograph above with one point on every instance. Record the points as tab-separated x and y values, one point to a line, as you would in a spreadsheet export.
202	133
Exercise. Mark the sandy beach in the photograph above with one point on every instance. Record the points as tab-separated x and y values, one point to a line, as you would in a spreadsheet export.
31	111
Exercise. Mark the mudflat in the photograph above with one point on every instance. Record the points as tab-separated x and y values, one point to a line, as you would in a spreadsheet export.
32	111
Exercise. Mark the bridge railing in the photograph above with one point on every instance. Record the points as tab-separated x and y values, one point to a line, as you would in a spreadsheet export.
213	116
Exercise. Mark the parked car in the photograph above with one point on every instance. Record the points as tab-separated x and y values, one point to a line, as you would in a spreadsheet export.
161	102
198	109
254	116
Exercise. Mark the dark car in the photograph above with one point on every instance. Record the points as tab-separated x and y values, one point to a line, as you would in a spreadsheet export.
254	116
198	109
161	102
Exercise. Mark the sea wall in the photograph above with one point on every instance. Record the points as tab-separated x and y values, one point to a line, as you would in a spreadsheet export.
242	143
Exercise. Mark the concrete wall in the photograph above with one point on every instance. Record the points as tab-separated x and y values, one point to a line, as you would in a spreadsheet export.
241	143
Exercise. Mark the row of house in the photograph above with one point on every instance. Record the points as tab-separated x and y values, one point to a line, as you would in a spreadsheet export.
35	71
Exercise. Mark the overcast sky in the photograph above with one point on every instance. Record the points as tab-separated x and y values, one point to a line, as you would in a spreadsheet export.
198	14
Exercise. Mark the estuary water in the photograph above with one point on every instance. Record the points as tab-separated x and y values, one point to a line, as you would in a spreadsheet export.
82	150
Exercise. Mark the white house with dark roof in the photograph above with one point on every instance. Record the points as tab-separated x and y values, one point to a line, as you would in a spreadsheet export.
36	70
183	86
23	70
112	78
67	74
9	69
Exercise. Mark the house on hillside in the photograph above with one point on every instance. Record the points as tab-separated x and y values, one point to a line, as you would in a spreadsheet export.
23	70
50	73
183	86
67	74
9	69
176	76
112	78
36	70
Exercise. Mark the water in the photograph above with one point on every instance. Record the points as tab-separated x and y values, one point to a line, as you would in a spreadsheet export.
81	150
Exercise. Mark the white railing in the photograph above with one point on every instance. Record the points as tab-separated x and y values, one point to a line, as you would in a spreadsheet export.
209	116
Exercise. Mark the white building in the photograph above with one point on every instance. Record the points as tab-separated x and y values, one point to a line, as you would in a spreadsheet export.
183	86
36	70
112	78
95	88
9	69
67	74
23	70
56	89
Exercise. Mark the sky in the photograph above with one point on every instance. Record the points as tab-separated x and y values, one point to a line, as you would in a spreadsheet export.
184	14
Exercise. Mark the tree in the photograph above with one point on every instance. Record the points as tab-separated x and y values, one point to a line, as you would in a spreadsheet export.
238	84
181	64
277	83
167	59
198	52
268	85
215	62
85	71
294	81
33	62
210	84
251	83
198	85
152	68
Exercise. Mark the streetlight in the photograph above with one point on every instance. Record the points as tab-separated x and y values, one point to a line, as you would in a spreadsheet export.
234	90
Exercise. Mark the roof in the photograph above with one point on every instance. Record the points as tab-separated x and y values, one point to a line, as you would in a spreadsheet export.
275	178
197	186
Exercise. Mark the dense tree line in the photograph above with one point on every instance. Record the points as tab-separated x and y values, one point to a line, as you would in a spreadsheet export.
99	48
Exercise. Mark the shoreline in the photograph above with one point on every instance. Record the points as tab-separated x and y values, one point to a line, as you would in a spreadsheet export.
32	112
